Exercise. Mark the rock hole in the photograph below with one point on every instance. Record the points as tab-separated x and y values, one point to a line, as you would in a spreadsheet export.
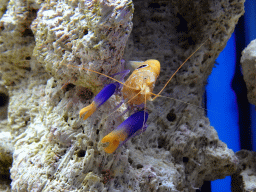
4	99
161	142
201	172
191	41
154	5
27	121
84	93
28	58
5	179
85	31
182	27
2	27
90	143
27	33
130	160
65	118
68	87
191	85
81	153
157	19
185	159
78	60
171	116
27	68
139	166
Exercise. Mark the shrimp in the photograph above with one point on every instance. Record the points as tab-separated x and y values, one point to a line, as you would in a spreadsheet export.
137	89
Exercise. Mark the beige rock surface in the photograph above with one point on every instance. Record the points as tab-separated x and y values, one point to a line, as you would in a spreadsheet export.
248	62
245	177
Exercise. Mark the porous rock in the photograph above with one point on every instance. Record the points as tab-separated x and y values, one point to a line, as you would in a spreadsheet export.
3	7
57	151
245	177
16	40
6	151
248	62
72	36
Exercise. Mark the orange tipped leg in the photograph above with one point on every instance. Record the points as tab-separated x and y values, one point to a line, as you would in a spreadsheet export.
89	110
124	131
114	138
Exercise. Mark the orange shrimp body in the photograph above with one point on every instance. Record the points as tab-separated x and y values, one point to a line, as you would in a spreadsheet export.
142	80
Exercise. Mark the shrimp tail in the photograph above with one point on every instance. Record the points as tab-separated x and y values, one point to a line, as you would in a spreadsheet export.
125	131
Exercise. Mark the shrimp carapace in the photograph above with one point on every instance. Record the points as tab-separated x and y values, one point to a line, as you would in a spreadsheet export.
142	80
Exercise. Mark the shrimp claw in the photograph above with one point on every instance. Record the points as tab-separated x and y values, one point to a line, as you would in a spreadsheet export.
125	131
99	99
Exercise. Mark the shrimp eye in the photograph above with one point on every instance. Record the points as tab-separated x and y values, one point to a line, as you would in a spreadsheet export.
142	66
